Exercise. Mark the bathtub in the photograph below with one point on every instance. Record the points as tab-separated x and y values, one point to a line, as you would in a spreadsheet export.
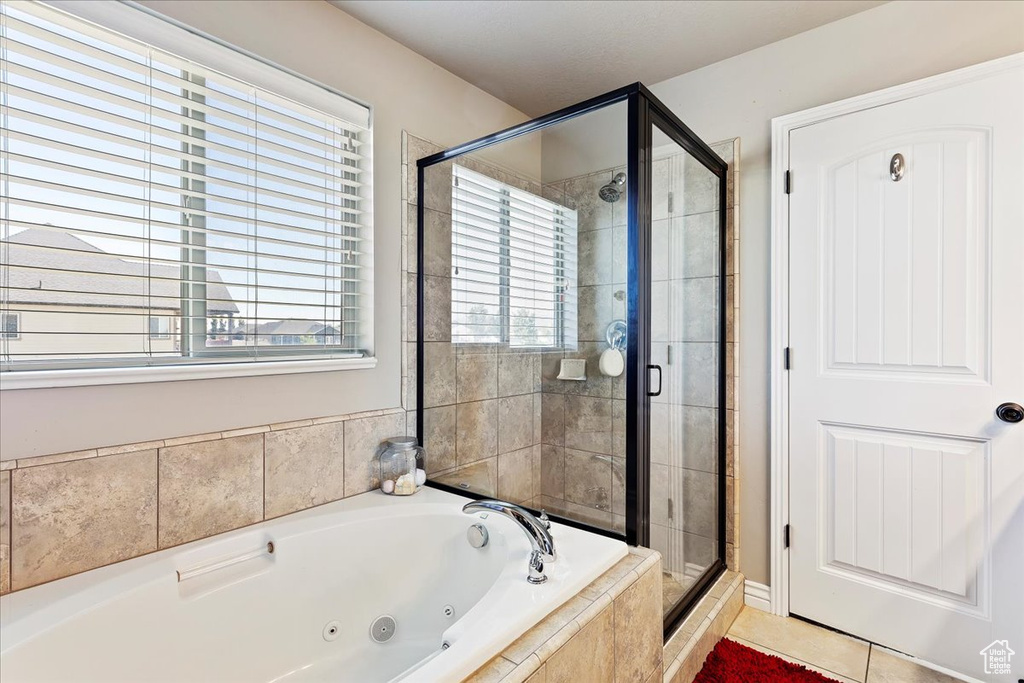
294	600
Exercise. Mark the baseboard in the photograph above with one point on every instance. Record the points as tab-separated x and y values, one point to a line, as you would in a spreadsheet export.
758	596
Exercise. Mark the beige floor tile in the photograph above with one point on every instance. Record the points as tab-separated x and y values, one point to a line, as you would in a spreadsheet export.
824	672
885	667
834	652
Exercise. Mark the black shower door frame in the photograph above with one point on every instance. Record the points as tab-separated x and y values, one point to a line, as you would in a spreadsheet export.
644	111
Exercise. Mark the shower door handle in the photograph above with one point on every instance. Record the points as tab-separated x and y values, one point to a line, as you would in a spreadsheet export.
658	392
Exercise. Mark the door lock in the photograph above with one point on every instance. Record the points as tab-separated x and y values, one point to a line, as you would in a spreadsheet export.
1010	412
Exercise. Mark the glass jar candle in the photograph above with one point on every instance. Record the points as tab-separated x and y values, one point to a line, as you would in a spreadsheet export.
401	467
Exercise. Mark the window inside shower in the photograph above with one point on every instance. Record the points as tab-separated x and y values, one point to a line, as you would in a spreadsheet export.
570	328
513	265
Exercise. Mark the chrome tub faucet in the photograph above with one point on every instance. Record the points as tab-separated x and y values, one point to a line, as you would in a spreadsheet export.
541	544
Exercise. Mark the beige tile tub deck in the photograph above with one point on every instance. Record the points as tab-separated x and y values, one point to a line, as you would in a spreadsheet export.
609	632
638	648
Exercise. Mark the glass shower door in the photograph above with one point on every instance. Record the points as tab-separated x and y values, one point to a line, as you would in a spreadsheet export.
685	405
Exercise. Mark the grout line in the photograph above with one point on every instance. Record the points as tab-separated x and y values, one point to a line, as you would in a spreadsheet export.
867	664
158	498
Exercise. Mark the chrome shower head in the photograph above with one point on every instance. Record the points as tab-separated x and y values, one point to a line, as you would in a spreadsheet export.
613	190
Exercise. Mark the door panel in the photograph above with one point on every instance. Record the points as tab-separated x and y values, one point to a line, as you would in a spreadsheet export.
907	330
905	261
685	341
905	512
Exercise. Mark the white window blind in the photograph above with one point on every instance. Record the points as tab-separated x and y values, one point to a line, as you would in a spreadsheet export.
513	266
156	211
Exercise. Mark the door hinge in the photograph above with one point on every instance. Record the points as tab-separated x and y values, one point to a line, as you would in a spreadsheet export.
788	182
670	203
785	536
785	358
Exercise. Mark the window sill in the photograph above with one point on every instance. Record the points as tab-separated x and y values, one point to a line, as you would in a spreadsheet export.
47	379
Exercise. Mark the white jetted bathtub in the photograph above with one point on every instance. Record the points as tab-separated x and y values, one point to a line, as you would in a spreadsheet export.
228	609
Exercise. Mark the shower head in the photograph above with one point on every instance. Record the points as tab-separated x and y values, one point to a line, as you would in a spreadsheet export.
612	191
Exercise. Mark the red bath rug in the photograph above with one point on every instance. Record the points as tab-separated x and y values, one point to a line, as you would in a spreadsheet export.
731	662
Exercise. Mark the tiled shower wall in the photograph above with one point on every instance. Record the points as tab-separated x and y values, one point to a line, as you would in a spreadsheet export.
481	404
583	423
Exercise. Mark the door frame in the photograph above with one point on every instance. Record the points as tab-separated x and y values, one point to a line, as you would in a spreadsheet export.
782	126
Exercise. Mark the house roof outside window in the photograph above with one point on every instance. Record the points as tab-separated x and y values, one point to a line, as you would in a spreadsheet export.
59	268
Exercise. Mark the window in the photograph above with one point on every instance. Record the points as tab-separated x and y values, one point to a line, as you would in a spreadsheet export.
10	324
159	328
513	266
157	211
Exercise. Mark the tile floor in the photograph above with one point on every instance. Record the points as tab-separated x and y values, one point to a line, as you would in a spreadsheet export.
836	656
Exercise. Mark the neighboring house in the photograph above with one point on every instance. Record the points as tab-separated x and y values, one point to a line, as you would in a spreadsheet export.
68	297
281	332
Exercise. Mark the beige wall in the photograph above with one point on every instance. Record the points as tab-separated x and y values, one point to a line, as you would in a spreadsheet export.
406	92
885	46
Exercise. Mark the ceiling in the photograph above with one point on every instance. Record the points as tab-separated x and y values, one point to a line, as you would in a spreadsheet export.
540	56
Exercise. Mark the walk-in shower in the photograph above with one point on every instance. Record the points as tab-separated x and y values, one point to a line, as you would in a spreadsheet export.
570	317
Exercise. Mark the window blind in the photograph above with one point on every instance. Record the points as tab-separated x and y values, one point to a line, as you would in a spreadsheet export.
157	211
513	266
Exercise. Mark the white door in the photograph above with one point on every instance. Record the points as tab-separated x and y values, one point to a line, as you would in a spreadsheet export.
906	333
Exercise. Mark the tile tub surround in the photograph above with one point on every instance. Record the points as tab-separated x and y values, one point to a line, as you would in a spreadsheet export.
609	633
67	513
481	403
706	624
